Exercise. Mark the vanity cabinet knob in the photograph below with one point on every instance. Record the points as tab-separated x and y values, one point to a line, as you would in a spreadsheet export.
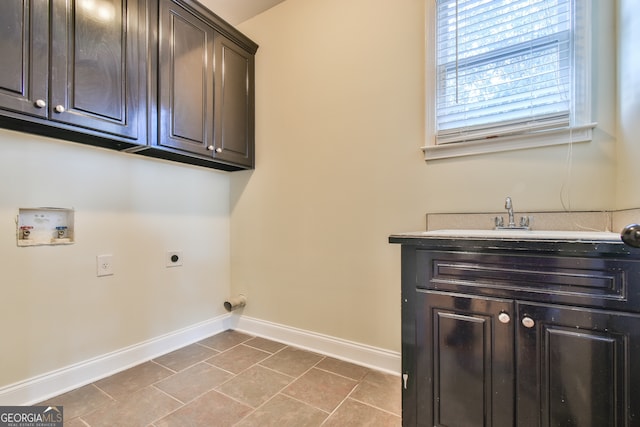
528	322
59	109
218	150
40	103
210	148
504	318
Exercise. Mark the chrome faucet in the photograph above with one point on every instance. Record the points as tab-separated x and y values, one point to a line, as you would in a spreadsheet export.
508	205
499	220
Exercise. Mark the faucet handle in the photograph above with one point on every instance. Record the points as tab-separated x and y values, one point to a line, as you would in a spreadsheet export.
524	221
499	221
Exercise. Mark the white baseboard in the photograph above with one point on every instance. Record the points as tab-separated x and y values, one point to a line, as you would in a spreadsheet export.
50	384
361	354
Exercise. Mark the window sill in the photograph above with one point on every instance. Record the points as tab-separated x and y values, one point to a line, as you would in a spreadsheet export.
518	142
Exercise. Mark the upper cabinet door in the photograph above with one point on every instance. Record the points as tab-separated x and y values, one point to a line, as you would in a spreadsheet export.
95	66
24	28
185	80
234	103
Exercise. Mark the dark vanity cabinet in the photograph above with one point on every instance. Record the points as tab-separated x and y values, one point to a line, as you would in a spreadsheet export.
205	87
75	69
517	333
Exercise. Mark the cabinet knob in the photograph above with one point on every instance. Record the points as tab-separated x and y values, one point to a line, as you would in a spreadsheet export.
59	109
210	148
218	150
40	103
504	318
528	322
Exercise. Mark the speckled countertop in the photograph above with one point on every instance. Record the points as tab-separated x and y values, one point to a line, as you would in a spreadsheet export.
519	234
578	243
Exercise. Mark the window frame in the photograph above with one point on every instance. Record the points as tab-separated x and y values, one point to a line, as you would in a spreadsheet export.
580	127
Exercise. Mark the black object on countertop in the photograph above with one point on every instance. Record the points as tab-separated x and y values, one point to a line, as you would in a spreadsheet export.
631	235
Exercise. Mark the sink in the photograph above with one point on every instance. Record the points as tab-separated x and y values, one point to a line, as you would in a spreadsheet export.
506	234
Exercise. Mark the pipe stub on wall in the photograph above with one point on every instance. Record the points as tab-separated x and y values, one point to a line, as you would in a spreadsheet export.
235	302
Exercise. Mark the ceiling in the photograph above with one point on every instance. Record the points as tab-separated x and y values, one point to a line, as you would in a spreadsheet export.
237	11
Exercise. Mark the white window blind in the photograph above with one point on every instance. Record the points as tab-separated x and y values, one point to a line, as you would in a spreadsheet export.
504	67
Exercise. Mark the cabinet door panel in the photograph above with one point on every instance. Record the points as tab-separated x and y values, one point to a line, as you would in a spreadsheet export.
95	65
98	60
577	367
234	103
24	31
464	361
185	80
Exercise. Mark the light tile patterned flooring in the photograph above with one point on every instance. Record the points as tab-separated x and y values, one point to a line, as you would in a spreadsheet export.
234	379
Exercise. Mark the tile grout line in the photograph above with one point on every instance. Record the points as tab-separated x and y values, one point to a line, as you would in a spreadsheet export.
182	405
343	376
374	406
162	366
343	400
275	370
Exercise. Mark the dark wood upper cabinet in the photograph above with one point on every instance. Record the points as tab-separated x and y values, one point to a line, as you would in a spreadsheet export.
162	78
75	68
205	87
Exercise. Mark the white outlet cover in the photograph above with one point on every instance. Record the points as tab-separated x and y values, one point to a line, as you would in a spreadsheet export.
104	265
174	259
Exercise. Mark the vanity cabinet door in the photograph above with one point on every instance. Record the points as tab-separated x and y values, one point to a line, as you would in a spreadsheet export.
96	66
577	367
464	361
185	80
24	44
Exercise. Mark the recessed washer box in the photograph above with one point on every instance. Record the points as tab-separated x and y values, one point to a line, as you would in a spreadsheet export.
44	226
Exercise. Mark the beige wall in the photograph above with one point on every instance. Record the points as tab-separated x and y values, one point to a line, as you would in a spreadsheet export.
340	122
628	185
55	311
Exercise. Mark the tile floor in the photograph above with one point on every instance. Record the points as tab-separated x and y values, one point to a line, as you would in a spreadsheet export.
234	379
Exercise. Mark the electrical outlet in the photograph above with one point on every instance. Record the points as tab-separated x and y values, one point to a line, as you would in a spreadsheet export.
104	265
174	259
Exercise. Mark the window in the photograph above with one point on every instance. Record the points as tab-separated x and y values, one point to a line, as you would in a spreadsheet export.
508	74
